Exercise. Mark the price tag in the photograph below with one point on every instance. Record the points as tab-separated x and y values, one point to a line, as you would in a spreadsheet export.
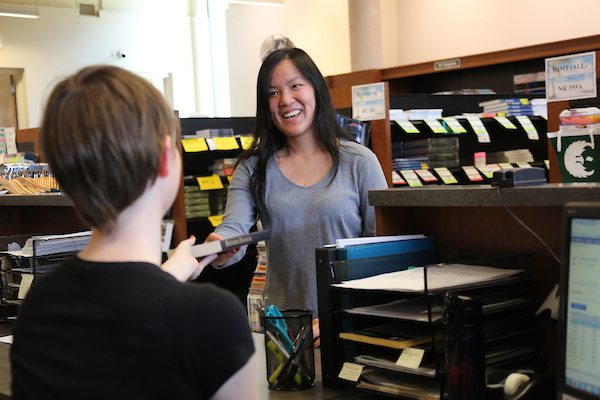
397	179
351	371
446	176
526	123
426	175
411	358
505	122
411	178
488	170
524	165
454	125
246	142
472	173
215	220
435	126
210	182
407	126
194	145
505	165
226	143
547	162
482	134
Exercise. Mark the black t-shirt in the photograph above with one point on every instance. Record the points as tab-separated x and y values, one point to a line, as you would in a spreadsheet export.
125	331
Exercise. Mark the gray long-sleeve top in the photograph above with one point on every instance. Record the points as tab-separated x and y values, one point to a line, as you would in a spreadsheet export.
302	219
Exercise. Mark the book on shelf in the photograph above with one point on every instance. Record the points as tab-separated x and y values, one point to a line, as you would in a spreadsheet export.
43	245
380	340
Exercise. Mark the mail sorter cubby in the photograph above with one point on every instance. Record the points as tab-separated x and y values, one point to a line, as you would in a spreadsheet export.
371	327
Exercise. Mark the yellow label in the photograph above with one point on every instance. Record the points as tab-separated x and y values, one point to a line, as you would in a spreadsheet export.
210	182
215	219
226	143
246	142
194	145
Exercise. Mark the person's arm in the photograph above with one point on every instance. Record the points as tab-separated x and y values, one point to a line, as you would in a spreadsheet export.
182	265
241	385
371	177
239	214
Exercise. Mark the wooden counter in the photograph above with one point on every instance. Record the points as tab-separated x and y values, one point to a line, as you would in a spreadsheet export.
472	217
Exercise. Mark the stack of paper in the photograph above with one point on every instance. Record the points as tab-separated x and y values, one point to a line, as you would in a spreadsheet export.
54	244
439	277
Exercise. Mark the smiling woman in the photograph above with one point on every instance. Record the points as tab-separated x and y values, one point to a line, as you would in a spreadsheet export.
304	177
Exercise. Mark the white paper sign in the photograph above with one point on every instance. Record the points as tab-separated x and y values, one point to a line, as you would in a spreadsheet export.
368	102
571	77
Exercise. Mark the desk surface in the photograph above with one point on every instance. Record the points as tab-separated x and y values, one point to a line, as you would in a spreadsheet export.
317	392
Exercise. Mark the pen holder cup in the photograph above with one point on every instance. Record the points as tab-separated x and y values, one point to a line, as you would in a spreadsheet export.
289	349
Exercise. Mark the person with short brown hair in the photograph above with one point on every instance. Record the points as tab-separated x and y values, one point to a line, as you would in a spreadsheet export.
109	323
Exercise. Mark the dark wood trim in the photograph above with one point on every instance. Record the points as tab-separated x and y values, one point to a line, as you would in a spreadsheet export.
178	208
564	47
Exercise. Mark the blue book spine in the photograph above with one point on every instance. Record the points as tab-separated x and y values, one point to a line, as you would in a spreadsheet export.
384	248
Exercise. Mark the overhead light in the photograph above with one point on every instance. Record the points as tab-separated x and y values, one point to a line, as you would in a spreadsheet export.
276	3
18	10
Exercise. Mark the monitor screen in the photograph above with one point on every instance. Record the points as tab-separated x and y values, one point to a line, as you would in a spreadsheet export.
579	343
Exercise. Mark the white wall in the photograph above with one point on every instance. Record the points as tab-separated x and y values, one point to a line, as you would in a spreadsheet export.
61	42
428	30
318	27
413	31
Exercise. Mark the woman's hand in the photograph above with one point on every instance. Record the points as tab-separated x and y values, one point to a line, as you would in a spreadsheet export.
224	257
182	265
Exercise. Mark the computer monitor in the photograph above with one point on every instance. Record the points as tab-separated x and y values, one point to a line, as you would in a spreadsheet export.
578	374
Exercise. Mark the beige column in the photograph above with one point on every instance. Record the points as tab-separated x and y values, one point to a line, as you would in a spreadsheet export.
365	34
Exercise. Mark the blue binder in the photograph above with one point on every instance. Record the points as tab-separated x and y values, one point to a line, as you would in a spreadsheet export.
368	250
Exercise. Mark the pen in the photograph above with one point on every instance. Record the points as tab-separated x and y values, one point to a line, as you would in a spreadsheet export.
296	357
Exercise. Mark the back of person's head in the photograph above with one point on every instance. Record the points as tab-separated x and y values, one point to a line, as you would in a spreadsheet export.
102	134
324	123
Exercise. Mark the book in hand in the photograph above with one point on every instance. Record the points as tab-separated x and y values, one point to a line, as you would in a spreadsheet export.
218	246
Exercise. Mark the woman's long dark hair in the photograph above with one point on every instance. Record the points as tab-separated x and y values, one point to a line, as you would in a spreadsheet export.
268	140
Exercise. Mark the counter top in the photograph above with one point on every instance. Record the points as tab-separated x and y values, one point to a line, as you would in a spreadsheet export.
40	200
552	195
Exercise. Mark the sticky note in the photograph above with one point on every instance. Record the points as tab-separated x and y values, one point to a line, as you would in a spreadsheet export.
435	126
246	141
411	357
472	173
505	122
397	179
215	220
411	178
445	175
426	175
25	285
526	123
454	125
407	126
482	134
351	371
225	143
194	145
210	182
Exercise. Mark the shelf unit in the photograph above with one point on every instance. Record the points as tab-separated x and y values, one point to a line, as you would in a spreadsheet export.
348	317
490	70
235	278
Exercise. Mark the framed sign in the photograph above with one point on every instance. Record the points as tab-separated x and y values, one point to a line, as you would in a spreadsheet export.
571	77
